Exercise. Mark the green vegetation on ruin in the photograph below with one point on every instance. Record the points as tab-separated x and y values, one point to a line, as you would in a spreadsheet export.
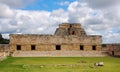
59	64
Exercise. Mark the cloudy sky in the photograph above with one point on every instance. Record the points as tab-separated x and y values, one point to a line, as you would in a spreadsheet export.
98	17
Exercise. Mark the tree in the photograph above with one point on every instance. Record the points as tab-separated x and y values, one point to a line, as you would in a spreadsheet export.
3	41
1	37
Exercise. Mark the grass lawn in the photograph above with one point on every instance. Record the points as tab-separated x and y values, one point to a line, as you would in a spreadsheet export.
59	64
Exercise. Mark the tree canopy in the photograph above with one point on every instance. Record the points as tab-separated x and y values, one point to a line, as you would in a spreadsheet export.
3	41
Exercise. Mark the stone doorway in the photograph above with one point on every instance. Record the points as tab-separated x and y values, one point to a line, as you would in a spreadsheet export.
112	53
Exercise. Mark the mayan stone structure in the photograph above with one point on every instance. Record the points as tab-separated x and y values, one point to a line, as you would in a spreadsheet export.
66	29
70	39
113	49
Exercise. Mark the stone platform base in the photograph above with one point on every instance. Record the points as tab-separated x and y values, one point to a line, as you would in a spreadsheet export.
60	54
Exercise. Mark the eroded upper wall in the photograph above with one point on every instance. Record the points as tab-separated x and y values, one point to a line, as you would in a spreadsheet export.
64	25
67	25
66	29
52	39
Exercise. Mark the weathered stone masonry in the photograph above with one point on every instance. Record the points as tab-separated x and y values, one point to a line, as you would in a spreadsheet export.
69	37
49	43
112	49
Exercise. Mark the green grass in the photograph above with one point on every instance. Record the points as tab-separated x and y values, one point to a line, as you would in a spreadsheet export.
59	64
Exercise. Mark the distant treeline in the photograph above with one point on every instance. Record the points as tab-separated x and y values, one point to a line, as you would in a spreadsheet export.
3	41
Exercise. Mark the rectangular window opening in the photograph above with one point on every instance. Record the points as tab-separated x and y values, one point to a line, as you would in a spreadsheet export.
18	47
33	47
104	45
81	47
58	47
93	47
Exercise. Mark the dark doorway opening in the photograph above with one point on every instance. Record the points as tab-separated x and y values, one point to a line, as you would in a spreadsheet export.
112	53
58	47
32	47
18	47
81	47
73	32
93	47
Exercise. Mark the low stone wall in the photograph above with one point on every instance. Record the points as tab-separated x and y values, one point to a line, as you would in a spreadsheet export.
4	51
60	54
4	47
2	55
113	49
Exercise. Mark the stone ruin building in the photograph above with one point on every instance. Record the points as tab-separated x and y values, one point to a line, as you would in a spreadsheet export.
112	49
69	39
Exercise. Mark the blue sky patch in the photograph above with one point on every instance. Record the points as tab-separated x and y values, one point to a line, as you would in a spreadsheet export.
48	5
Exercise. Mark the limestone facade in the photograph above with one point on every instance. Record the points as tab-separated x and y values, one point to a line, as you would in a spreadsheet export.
67	37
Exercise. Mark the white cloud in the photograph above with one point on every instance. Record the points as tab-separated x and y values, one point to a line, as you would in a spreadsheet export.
5	11
16	3
96	19
6	36
101	4
110	37
32	22
64	3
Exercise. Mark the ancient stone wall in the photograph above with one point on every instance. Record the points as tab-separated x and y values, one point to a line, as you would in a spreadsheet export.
66	29
49	42
68	37
59	54
4	47
114	49
51	39
4	51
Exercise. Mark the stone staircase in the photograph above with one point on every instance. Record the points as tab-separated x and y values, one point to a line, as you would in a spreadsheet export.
60	54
